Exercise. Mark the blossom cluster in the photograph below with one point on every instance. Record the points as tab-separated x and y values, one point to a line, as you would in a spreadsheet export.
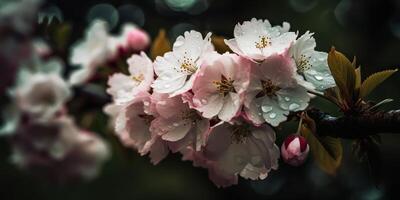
99	47
44	138
218	110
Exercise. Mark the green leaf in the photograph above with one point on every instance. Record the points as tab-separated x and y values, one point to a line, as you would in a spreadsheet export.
161	45
343	72
374	80
327	151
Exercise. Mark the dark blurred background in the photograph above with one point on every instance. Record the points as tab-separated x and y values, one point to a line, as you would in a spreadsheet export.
367	29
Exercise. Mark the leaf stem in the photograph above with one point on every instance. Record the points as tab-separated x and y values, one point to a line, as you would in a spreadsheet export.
323	96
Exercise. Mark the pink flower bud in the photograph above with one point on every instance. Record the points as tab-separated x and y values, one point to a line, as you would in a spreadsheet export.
295	150
138	40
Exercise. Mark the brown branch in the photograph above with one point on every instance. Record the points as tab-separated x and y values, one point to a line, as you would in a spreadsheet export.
356	126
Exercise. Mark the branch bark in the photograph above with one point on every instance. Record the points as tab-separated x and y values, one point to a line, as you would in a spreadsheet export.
356	126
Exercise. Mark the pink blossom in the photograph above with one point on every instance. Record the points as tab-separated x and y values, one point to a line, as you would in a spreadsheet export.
295	150
274	91
219	87
58	150
178	124
123	87
237	149
132	126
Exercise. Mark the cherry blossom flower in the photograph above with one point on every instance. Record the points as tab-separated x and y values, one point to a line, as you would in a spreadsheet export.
41	91
295	150
123	87
90	53
237	149
178	124
58	150
257	39
220	85
177	70
311	64
132	126
274	91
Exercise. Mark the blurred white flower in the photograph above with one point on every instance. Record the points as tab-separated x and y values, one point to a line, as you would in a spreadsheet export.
90	53
311	64
177	70
41	92
58	149
257	39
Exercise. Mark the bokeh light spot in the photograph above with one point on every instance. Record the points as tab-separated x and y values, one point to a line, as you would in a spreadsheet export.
179	29
303	6
106	12
180	5
131	13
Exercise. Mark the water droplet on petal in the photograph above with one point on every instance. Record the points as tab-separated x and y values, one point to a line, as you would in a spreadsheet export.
175	124
272	115
266	108
319	78
260	114
287	99
203	101
293	106
146	103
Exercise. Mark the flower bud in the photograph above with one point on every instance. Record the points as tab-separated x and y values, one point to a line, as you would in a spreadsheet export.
295	150
138	40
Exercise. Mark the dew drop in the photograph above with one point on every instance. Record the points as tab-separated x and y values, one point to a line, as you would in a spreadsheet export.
272	115
266	108
287	99
260	114
146	103
293	106
175	124
319	78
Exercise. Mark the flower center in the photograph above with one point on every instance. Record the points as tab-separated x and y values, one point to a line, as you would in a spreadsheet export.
190	116
224	86
263	42
188	65
303	63
268	88
146	118
240	133
139	78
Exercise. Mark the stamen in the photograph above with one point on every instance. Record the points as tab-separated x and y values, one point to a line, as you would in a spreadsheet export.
187	65
146	118
264	42
303	63
190	116
268	88
240	133
139	78
225	85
